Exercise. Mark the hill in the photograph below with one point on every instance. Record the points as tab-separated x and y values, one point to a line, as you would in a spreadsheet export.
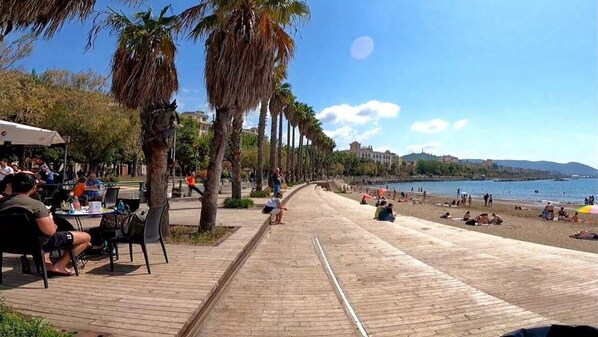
419	156
568	169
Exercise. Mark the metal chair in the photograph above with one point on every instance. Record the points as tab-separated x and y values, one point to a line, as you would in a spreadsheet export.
111	196
141	234
19	234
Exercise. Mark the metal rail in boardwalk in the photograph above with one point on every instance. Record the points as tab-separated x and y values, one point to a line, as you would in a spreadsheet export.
339	290
208	304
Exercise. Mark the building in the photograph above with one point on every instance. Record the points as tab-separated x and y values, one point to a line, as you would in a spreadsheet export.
202	119
251	131
368	152
449	159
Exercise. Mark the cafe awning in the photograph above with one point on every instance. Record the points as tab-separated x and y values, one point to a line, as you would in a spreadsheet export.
20	134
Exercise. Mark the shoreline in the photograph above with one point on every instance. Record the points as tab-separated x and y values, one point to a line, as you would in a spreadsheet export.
524	225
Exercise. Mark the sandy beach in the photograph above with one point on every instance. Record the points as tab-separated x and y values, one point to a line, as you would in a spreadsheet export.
523	225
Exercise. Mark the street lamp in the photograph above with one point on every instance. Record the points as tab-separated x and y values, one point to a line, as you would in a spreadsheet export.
67	140
176	127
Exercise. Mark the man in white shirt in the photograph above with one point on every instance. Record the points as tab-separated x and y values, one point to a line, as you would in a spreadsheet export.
5	169
274	207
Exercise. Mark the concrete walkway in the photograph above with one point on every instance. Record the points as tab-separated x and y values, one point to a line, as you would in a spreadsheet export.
128	301
408	278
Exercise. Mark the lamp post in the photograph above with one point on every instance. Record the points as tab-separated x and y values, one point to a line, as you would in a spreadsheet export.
67	140
176	127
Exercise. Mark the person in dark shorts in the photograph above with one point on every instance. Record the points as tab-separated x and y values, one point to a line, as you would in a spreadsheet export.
23	185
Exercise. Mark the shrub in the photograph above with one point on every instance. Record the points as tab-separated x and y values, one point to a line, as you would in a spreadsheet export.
17	325
260	194
238	203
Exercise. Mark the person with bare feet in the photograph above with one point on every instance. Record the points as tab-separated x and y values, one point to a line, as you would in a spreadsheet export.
274	207
23	185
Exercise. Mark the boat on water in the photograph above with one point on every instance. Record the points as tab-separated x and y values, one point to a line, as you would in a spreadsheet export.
560	179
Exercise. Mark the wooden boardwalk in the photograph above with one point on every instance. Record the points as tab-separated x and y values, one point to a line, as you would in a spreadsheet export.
408	278
129	302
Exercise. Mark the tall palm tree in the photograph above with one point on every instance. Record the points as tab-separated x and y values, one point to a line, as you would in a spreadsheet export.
236	144
144	77
261	137
244	40
289	113
280	98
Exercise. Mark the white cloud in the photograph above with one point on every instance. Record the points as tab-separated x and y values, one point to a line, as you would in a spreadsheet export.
343	133
461	123
432	126
362	47
368	112
417	148
184	90
368	134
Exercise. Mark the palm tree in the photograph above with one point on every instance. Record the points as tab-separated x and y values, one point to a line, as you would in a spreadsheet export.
236	144
289	113
280	98
261	135
244	41
144	77
43	18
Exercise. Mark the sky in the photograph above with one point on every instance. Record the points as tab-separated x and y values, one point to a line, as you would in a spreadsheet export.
475	79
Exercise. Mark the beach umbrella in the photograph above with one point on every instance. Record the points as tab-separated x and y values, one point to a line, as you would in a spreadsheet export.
589	209
381	191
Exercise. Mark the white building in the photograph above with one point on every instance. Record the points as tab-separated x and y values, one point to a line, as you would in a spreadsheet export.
368	152
202	119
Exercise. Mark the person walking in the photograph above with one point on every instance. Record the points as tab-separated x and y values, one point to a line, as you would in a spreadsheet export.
190	179
490	200
486	196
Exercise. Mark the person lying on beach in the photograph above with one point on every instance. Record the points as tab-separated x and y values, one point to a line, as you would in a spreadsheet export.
521	208
445	215
584	234
496	219
467	216
482	219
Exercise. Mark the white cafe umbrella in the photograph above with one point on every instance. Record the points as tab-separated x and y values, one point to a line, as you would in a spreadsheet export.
20	134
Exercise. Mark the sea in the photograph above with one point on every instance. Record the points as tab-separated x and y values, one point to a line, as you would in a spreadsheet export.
570	191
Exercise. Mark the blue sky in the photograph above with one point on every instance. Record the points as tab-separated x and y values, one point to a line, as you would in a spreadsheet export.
482	79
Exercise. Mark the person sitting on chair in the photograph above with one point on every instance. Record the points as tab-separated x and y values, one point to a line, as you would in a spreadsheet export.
23	185
92	189
274	207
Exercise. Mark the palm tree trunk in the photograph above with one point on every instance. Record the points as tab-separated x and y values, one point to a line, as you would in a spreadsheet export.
261	135
305	161
236	143
288	164
279	147
156	138
273	163
210	200
293	162
299	155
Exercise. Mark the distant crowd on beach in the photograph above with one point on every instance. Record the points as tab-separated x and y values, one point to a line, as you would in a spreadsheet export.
589	200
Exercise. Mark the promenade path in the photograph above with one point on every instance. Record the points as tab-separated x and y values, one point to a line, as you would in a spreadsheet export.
128	301
408	278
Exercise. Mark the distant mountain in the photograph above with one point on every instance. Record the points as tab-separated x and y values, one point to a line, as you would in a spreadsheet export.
419	156
565	169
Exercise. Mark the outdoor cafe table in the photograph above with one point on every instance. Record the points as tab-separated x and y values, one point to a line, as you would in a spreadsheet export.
83	213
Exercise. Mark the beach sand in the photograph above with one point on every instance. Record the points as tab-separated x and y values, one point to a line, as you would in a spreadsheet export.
523	225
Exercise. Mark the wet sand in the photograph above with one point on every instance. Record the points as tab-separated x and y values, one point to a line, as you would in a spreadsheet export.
525	225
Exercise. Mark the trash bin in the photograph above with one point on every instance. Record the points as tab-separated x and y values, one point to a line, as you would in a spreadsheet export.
177	192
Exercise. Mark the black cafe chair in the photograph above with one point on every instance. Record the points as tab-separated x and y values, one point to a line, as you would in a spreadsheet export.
141	233
19	234
111	197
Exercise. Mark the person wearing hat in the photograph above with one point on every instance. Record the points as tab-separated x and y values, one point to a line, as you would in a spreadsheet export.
23	185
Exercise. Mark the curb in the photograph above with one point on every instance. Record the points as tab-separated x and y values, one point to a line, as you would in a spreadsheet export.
197	318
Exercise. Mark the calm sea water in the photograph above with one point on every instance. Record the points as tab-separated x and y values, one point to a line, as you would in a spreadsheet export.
569	191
